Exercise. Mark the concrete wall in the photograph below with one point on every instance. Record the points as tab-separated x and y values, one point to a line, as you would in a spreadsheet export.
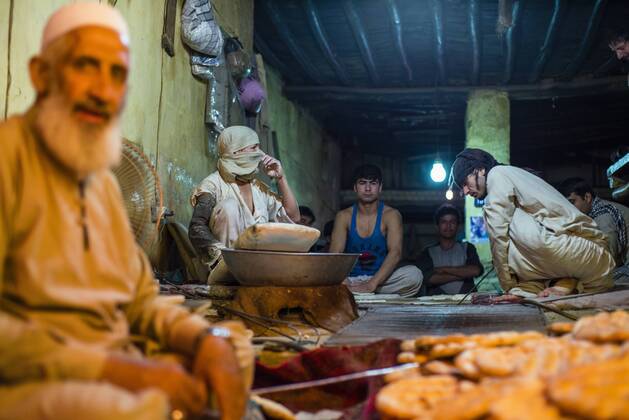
311	159
165	107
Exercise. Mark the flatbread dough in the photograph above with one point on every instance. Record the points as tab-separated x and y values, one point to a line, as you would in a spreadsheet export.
283	237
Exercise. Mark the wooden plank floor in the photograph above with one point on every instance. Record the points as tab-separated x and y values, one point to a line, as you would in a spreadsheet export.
405	322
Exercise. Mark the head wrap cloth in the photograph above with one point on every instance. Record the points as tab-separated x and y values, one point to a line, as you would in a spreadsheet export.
467	161
77	15
243	165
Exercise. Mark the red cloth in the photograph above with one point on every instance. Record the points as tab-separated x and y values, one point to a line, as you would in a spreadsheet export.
329	362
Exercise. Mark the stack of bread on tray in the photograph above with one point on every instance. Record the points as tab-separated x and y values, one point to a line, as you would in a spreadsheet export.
582	372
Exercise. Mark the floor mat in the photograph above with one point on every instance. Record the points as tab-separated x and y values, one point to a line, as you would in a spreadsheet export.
407	322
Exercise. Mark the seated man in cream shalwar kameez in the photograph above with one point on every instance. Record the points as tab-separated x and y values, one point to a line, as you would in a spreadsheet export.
77	294
231	199
540	243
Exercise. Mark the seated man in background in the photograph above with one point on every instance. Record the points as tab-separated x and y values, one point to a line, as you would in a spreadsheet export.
76	292
231	199
449	267
374	230
612	218
306	216
619	44
541	244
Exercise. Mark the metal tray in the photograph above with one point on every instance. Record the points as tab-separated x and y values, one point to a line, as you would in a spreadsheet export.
288	269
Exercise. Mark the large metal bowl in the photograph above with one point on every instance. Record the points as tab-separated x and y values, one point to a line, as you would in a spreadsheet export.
288	269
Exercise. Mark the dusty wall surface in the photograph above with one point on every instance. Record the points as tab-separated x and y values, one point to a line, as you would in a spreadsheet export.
312	161
487	123
165	106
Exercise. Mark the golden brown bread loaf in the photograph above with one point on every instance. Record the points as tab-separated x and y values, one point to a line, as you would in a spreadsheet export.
283	237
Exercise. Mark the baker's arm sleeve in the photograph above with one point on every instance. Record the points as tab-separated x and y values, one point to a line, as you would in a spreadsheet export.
199	233
498	210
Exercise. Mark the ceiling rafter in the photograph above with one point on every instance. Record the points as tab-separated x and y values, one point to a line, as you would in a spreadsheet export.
397	34
288	38
549	41
361	39
437	17
510	40
586	43
473	18
322	40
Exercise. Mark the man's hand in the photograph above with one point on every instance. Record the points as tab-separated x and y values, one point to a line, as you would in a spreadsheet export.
369	286
272	167
216	364
184	392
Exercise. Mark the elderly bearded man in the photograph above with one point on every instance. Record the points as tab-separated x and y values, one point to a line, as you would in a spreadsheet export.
231	199
75	289
540	243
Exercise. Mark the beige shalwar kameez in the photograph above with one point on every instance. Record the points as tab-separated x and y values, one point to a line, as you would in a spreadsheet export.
74	288
232	216
537	236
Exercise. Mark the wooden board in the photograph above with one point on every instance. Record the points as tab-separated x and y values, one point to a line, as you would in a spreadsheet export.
411	321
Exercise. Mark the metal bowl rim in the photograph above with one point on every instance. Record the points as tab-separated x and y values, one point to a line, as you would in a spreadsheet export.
297	254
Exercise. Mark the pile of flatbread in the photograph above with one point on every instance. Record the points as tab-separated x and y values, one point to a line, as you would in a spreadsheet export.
284	237
583	374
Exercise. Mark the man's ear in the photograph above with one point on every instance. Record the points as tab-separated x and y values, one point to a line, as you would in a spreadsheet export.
355	190
587	197
40	75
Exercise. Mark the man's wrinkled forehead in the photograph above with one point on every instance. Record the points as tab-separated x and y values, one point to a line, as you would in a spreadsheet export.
98	41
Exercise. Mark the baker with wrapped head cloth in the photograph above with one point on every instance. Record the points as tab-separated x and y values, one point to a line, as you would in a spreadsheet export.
540	243
231	199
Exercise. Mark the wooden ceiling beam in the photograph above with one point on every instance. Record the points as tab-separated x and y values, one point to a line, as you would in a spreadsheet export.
571	142
437	18
516	12
288	38
397	34
545	90
549	41
586	43
474	22
322	40
361	39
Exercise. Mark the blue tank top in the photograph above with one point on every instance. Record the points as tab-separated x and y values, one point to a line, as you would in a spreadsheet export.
372	248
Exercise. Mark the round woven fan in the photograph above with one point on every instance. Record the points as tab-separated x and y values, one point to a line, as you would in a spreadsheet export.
141	192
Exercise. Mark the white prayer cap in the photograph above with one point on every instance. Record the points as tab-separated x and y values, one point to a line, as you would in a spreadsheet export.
76	15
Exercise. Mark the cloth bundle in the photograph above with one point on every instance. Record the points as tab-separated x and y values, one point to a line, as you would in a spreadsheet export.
199	30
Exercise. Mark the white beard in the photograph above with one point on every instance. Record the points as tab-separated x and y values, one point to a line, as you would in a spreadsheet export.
80	147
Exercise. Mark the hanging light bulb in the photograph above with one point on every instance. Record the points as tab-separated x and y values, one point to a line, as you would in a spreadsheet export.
449	194
438	172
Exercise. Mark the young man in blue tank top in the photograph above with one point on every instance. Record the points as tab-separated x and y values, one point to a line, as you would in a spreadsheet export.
374	230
